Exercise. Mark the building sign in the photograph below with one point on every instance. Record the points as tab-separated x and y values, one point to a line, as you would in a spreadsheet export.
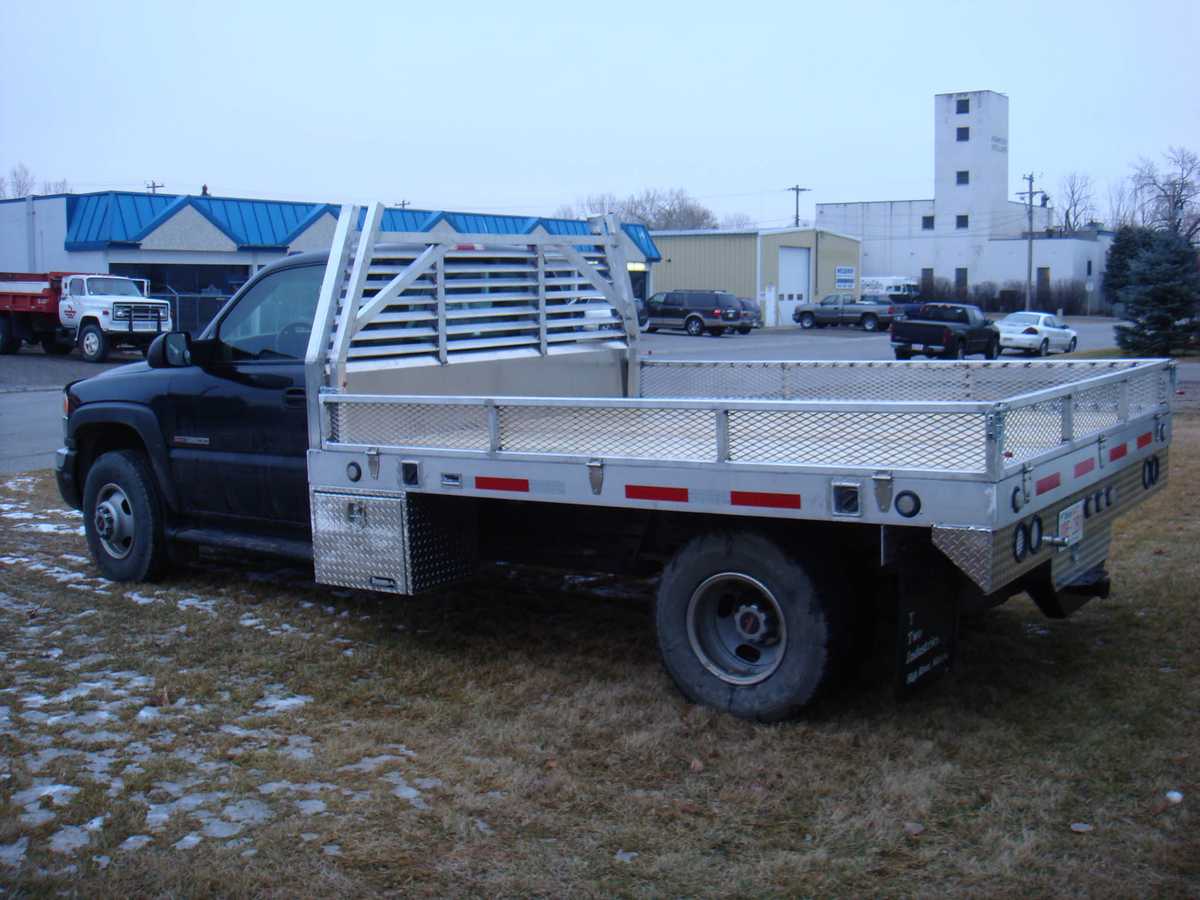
844	278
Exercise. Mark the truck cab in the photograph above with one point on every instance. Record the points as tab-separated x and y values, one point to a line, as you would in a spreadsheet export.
100	312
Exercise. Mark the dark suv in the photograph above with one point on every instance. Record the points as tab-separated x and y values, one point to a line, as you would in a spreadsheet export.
695	312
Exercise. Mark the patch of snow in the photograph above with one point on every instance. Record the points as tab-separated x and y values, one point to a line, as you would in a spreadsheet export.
250	812
148	713
102	861
140	599
70	839
483	827
59	794
206	606
308	836
246	854
625	856
299	747
219	828
276	703
187	842
135	842
371	763
310	807
13	854
332	850
405	791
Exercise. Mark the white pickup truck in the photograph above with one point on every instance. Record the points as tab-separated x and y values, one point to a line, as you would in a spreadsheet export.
419	402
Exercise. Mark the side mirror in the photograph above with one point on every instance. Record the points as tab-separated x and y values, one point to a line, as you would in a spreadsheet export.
170	350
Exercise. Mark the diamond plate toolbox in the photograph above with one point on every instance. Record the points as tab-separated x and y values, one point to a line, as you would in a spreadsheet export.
397	544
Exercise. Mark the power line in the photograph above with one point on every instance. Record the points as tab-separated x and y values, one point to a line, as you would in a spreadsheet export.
797	190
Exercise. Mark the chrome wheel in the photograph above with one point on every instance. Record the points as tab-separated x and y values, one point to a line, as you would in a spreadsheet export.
736	628
114	521
91	343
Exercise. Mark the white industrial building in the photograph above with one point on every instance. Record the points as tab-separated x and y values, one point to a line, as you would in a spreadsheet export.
971	231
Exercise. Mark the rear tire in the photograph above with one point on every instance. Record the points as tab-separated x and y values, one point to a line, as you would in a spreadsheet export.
123	517
959	352
93	343
694	326
1072	345
870	323
745	330
903	354
747	627
650	329
52	347
993	349
807	320
9	342
716	330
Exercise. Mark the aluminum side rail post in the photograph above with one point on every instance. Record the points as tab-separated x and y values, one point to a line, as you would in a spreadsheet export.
332	287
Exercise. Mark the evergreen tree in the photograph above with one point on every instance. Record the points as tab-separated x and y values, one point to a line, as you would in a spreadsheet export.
1161	294
1128	241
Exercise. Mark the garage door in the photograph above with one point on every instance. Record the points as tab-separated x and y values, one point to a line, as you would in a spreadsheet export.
793	280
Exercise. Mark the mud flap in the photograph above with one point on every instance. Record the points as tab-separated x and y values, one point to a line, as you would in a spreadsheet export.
929	587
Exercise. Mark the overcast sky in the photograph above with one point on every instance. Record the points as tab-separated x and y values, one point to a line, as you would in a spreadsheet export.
521	106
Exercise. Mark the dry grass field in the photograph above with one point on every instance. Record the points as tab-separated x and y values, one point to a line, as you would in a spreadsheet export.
238	730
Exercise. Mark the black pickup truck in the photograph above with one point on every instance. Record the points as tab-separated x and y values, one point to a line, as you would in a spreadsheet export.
948	330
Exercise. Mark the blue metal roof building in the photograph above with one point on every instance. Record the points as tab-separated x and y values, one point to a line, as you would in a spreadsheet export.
200	244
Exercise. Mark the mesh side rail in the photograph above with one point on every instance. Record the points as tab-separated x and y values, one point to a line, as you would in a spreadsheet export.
879	381
923	439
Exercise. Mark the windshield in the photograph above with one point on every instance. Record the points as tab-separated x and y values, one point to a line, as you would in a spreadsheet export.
112	287
1022	319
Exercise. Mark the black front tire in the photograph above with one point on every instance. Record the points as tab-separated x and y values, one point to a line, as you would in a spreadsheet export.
1044	348
804	610
993	349
870	323
1071	346
694	327
745	330
123	517
93	343
807	320
52	347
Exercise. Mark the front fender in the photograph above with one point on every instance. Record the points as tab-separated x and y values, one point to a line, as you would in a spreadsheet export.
137	418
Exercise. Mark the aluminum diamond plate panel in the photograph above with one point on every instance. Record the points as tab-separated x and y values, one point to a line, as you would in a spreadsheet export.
359	542
968	548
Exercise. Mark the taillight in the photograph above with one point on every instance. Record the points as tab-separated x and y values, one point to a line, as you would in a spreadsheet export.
891	310
1030	330
945	335
717	313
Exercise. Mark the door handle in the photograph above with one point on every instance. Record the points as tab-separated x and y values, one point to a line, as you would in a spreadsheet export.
294	397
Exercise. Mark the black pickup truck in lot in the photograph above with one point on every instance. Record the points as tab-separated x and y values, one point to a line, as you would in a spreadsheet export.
948	330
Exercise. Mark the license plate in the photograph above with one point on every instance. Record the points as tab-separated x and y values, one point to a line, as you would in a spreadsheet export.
1070	524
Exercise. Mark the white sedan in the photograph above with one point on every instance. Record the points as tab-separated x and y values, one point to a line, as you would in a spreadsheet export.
1037	333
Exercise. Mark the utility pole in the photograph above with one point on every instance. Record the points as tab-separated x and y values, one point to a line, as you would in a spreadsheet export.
1028	195
152	186
403	204
797	190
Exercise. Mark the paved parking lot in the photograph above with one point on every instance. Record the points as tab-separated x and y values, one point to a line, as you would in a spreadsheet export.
821	343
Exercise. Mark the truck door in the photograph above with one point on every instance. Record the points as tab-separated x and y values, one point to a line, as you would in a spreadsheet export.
240	436
830	310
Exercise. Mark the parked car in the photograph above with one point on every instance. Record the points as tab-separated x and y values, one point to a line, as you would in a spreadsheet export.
1036	333
695	312
950	330
751	315
871	311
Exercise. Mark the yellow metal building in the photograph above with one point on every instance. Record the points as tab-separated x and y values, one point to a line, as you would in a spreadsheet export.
781	267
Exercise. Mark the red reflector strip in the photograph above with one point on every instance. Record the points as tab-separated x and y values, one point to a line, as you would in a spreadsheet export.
1145	439
490	483
1118	451
1049	483
763	498
653	492
1082	468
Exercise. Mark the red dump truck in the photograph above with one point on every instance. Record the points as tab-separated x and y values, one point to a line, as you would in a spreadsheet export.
60	310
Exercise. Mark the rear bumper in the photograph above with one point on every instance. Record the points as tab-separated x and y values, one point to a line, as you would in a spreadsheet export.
1020	341
64	474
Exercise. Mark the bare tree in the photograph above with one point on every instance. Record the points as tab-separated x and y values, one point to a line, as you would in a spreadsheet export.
592	205
737	221
1120	204
655	208
1077	203
21	180
56	187
1172	194
3	188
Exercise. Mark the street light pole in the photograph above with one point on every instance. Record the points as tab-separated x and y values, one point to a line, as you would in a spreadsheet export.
1028	195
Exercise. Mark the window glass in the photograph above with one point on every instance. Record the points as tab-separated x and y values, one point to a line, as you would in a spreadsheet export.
962	106
76	289
960	222
274	318
658	298
673	300
927	223
112	287
831	300
963	134
962	176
